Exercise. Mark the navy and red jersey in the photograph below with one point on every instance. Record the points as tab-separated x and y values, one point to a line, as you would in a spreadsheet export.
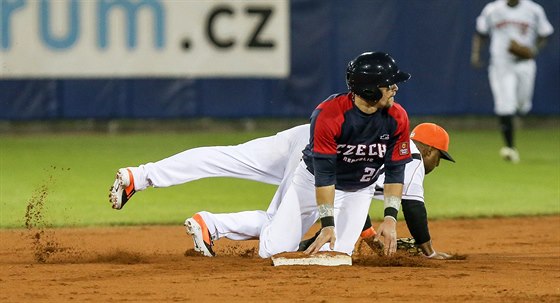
347	147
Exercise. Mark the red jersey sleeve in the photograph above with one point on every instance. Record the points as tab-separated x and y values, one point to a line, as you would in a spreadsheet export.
401	149
327	126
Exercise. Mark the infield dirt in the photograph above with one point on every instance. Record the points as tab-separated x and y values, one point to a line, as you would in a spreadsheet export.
503	260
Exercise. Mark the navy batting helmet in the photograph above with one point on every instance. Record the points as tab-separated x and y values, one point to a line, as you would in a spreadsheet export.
369	71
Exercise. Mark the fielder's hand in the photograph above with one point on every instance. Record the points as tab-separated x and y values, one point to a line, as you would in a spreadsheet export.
429	252
388	229
325	236
440	256
520	51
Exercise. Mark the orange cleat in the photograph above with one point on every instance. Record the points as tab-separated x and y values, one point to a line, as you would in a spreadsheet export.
196	227
123	188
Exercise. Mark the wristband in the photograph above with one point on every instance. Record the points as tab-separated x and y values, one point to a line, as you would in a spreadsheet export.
392	205
327	222
390	212
392	201
325	210
389	216
326	213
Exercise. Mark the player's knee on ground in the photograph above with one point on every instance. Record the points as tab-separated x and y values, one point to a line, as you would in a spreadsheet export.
269	247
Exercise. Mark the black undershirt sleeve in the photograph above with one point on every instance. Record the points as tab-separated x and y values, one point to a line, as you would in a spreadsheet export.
324	171
417	220
394	174
367	224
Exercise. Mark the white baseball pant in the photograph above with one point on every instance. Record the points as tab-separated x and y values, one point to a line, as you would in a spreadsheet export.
265	160
512	86
269	160
298	211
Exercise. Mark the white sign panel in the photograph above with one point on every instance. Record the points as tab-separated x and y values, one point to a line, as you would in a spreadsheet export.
144	38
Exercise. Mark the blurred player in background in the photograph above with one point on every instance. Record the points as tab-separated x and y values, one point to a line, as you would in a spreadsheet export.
517	31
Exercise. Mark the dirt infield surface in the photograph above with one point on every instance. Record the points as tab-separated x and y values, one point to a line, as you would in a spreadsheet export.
504	260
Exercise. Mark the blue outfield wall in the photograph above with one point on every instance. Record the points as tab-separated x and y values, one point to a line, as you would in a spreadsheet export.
431	39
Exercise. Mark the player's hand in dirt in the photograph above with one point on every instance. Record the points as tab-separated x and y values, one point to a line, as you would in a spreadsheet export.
520	51
388	230
325	236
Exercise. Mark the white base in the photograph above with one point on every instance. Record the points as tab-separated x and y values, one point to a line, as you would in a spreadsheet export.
320	258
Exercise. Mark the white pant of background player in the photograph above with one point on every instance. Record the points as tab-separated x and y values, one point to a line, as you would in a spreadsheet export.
271	160
512	85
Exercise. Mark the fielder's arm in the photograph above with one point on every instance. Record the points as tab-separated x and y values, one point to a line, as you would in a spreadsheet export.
541	43
478	42
416	219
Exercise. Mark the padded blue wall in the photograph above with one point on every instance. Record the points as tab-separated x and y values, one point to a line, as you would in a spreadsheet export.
431	39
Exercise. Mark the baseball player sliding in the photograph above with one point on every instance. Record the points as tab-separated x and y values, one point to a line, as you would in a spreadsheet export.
352	135
518	30
272	160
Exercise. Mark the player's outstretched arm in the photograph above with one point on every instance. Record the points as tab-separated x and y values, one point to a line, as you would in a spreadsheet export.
416	218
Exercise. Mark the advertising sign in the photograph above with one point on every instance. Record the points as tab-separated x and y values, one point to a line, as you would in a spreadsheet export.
144	38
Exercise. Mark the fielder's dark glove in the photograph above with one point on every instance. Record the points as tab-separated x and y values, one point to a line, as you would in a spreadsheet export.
408	245
522	52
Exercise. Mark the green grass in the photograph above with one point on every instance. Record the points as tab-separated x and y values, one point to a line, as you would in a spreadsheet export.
480	184
81	168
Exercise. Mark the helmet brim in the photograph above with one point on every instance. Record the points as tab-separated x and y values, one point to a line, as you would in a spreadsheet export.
400	77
